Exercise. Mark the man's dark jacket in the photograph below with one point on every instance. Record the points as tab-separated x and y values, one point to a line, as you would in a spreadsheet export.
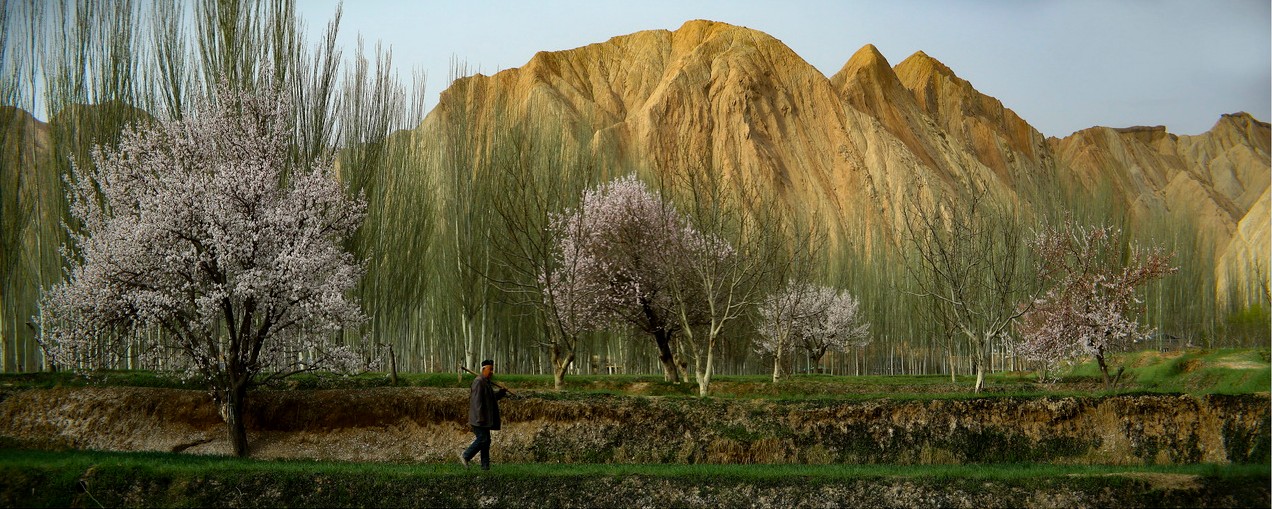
483	404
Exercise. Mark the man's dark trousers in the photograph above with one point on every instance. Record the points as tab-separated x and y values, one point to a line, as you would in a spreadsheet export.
480	445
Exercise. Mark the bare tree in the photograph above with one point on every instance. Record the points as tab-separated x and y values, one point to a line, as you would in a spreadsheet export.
724	262
538	173
968	260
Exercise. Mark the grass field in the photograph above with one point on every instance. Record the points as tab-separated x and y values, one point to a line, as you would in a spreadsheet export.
1223	371
86	478
179	464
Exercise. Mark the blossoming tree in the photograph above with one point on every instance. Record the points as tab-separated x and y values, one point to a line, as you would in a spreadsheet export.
614	254
209	230
570	293
812	317
838	326
1093	275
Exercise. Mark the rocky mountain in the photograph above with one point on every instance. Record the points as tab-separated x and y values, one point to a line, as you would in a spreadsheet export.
1218	181
854	150
859	147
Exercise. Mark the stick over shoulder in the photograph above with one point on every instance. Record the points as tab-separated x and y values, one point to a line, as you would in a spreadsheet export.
497	384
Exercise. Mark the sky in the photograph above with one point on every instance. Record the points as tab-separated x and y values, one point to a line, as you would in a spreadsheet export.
1062	66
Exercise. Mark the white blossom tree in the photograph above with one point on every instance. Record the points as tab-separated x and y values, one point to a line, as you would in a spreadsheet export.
208	229
779	315
811	317
1093	275
838	326
613	253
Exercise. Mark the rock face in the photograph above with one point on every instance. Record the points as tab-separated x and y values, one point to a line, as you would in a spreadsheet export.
859	147
1216	182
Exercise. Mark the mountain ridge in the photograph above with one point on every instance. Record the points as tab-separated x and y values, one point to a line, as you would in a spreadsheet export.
861	146
866	142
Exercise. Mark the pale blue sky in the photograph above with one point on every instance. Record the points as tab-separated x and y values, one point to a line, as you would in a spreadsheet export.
1061	65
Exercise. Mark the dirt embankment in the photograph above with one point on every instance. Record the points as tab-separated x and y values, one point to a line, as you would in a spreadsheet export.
427	425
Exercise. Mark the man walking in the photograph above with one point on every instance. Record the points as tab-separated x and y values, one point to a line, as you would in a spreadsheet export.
483	414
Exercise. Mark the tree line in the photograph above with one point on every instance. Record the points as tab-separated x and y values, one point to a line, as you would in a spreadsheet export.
460	239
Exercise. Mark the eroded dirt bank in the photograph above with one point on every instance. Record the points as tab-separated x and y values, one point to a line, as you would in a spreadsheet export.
427	425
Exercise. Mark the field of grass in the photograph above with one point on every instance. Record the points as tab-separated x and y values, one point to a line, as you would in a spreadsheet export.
1223	371
177	464
86	478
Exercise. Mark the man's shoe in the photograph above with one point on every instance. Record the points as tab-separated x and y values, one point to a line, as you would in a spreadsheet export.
463	461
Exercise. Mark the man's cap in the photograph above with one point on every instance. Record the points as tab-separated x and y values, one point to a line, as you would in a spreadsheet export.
487	362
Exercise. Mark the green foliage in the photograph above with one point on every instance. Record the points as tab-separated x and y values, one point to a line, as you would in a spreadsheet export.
1250	324
1221	371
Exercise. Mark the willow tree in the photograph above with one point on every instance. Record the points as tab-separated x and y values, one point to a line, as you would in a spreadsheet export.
460	159
202	227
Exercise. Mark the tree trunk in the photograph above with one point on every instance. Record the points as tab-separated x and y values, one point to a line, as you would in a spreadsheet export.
978	366
671	373
393	378
817	361
1104	370
232	402
701	372
777	366
467	328
560	365
704	377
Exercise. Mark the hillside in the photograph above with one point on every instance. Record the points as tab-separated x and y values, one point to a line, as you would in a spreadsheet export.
862	145
853	152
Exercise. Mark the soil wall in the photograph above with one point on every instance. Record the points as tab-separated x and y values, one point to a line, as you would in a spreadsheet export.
428	425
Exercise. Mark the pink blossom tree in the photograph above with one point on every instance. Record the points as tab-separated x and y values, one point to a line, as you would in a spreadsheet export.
208	229
811	317
614	253
570	292
1093	274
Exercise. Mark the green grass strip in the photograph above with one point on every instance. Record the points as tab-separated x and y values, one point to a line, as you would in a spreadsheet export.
90	479
183	463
